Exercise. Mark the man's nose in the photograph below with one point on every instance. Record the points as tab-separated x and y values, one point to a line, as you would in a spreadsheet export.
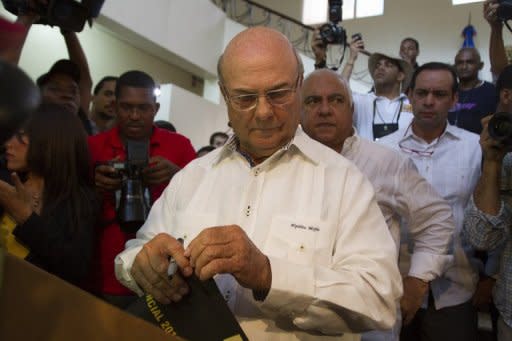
263	108
324	108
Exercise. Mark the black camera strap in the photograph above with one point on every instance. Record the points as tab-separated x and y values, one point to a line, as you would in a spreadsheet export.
383	129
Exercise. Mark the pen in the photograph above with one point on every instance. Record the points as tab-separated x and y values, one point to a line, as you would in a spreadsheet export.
173	267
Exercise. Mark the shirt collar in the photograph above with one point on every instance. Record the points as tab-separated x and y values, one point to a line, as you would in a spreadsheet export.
299	143
450	131
402	96
350	143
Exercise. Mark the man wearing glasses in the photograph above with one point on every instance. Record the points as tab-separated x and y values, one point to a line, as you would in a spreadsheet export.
402	193
288	240
449	158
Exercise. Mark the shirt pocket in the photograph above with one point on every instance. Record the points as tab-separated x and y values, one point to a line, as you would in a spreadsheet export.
303	240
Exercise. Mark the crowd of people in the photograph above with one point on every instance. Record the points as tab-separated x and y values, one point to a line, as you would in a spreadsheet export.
322	214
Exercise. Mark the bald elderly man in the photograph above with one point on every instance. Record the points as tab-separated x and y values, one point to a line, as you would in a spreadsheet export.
286	227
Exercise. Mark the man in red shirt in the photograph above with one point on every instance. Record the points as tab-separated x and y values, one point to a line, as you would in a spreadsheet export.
136	108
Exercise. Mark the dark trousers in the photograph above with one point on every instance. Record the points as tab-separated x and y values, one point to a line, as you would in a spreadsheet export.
454	323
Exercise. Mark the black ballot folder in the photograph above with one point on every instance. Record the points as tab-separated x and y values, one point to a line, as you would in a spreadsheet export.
202	314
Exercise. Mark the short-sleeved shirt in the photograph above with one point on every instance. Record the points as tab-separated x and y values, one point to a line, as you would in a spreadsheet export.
370	110
472	106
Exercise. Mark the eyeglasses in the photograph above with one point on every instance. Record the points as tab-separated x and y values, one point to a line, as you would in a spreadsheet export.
275	98
314	102
425	152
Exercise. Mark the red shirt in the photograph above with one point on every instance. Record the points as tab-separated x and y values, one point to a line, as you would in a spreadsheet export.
110	238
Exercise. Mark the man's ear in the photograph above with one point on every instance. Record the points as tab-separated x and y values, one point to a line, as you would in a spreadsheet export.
157	107
401	76
505	96
480	65
223	91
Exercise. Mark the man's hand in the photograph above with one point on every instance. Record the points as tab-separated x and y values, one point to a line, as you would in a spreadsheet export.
483	292
107	178
489	11
228	249
16	200
356	46
149	269
28	14
493	150
318	47
160	170
414	292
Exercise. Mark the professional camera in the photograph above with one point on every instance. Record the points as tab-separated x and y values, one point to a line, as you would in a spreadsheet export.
332	33
69	15
500	128
504	11
134	202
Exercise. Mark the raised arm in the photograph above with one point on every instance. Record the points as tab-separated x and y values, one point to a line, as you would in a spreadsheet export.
497	53
77	55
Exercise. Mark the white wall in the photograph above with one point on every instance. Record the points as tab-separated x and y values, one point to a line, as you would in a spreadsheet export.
436	24
188	32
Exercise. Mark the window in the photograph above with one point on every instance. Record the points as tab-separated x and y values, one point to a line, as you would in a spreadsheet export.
315	11
461	2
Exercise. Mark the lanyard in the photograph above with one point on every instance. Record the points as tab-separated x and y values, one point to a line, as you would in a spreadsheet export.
396	115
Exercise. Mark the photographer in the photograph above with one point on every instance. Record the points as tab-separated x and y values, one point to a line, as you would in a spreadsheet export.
57	86
135	108
488	221
320	51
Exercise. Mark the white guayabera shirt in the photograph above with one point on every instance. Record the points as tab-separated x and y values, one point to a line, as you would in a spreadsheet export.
313	214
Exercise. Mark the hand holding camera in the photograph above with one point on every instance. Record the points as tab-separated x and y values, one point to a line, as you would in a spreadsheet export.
159	170
490	10
495	137
107	177
356	47
318	47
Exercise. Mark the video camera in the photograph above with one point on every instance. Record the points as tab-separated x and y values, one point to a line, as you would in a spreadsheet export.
69	15
332	33
500	128
504	11
134	202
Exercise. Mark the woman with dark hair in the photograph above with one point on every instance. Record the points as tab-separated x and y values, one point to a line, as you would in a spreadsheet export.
52	203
